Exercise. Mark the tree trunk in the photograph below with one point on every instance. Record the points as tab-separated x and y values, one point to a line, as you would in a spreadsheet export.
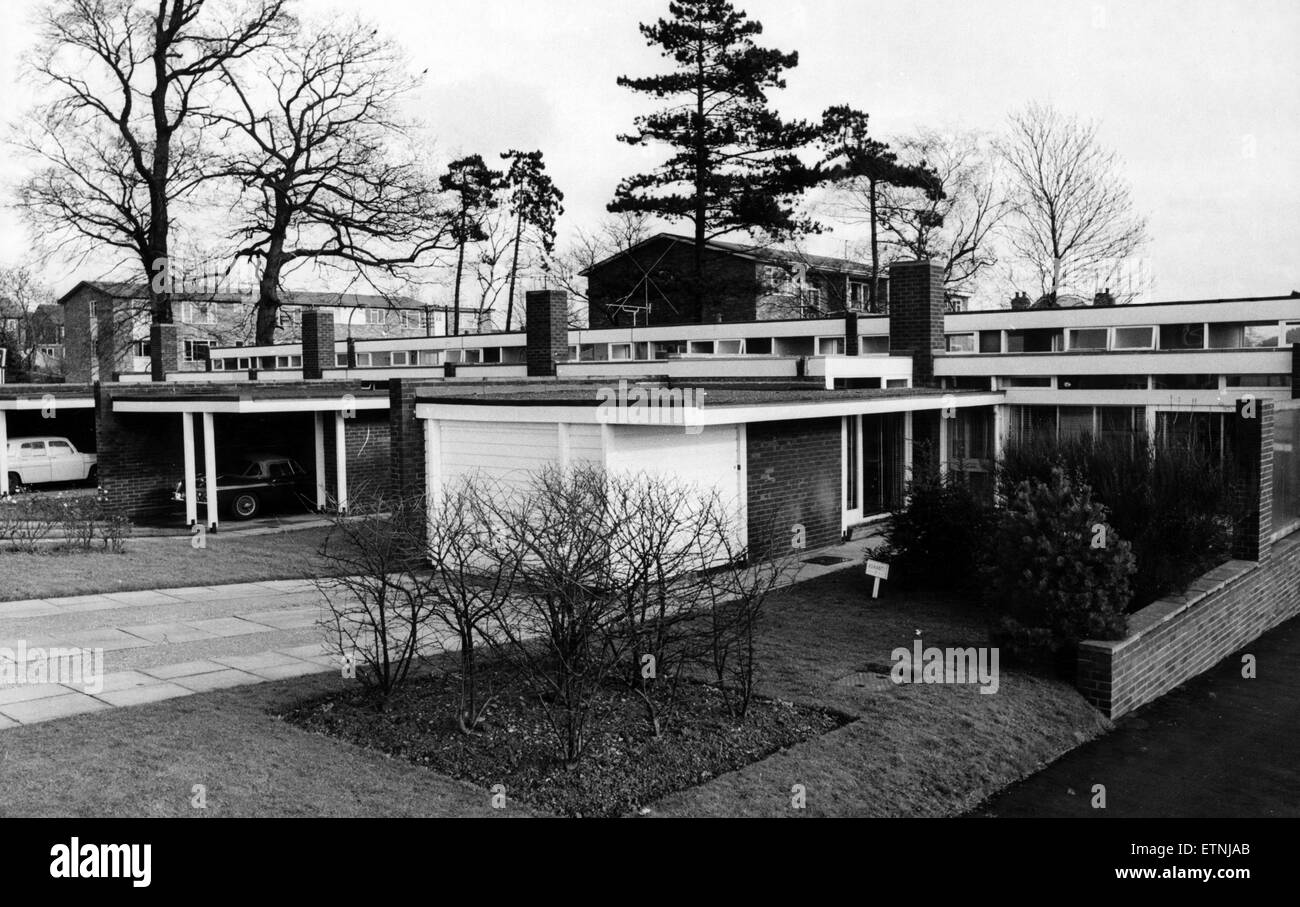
455	299
875	251
701	203
514	269
268	301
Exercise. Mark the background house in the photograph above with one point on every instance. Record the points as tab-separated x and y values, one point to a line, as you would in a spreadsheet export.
106	324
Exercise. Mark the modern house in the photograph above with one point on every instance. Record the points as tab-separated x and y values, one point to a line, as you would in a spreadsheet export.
106	324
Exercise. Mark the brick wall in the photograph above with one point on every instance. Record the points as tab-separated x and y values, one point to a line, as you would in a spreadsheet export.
916	308
368	454
406	439
317	343
548	330
1176	638
793	471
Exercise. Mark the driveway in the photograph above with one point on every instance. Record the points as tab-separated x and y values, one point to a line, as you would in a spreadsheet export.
1218	746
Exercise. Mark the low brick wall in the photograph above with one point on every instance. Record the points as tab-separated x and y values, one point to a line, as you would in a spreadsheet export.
1176	638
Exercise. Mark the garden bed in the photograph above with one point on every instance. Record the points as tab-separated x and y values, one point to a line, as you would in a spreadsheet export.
624	769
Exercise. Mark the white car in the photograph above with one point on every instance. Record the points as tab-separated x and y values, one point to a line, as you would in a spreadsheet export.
48	459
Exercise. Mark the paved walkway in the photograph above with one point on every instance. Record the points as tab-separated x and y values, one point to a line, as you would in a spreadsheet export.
1220	745
159	644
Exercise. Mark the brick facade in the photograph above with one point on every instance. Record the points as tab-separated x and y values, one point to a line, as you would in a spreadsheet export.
793	476
1176	638
317	344
547	313
406	439
916	307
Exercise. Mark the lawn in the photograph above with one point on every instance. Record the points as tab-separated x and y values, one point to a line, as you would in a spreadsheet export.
160	563
912	750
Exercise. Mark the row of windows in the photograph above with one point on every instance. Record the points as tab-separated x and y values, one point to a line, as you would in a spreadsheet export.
1178	382
749	346
1190	336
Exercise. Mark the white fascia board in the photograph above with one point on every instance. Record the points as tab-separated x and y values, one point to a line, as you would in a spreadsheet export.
244	407
1145	362
1121	315
30	403
1163	399
712	415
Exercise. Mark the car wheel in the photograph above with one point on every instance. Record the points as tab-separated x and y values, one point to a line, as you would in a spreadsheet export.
245	506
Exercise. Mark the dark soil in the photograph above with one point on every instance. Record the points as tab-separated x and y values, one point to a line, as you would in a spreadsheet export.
624	769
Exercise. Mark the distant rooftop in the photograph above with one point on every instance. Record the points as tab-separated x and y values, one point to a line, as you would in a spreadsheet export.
755	252
138	290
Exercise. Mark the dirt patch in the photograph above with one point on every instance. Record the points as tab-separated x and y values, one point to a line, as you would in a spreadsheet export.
624	769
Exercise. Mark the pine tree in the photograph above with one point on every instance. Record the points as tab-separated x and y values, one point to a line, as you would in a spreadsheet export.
735	164
535	202
474	187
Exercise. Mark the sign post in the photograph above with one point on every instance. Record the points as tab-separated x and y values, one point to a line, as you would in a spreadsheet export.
878	570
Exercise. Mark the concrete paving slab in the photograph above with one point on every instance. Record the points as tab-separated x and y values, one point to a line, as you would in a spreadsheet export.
30	608
218	680
124	680
27	692
256	663
38	710
139	695
143	597
184	669
297	669
83	602
292	619
164	633
7	723
107	638
229	626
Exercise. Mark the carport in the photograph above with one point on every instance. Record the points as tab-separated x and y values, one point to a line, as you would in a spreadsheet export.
30	399
326	405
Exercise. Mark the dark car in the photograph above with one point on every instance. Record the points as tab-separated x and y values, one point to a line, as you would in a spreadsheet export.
257	482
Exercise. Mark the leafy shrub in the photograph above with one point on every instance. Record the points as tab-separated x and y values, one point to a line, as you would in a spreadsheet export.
1047	582
937	537
1177	508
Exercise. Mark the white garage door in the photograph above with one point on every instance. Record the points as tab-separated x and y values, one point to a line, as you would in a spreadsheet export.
708	460
506	452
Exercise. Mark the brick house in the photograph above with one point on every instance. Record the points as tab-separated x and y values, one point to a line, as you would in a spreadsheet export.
106	324
649	284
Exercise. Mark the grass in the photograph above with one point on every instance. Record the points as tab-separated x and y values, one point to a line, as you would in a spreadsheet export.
913	750
162	563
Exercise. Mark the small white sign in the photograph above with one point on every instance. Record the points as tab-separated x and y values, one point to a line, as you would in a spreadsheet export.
878	569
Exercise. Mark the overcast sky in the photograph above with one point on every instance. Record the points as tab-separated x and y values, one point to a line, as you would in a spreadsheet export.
1185	90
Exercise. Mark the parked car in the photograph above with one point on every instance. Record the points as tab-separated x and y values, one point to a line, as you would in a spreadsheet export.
255	483
41	459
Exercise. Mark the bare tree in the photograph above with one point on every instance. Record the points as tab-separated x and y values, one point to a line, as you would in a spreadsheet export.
957	230
313	143
27	322
117	142
1072	211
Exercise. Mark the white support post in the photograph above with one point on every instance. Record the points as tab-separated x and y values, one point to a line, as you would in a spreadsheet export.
4	453
433	464
908	444
341	460
944	419
562	438
999	432
210	468
191	485
320	462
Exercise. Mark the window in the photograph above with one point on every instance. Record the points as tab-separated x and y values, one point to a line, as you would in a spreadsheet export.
895	382
830	346
59	448
1087	338
1257	335
1182	336
873	345
400	357
1121	421
140	349
729	347
363	360
243	363
341	360
702	347
1290	333
620	351
1134	338
197	350
1076	421
1039	340
1102	382
1199	431
376	316
758	346
32	449
1226	336
812	297
1258	380
859	294
990	341
961	343
381	359
473	356
429	357
1184	382
1026	381
198	313
218	365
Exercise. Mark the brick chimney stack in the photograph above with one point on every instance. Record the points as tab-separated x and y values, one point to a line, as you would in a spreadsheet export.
916	309
1104	298
547	312
1020	301
317	343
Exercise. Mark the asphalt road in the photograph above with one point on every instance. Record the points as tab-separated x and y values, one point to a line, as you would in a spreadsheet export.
1218	746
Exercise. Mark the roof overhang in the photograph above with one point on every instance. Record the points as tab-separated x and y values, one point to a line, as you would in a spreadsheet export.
704	414
46	401
245	405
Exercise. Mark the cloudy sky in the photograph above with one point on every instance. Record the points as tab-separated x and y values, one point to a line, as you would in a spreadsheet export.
1198	97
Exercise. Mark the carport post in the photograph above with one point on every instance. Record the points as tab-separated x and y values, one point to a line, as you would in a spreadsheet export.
210	468
191	502
320	462
341	460
4	453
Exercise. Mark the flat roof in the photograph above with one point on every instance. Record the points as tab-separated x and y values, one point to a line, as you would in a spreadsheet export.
39	396
249	397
